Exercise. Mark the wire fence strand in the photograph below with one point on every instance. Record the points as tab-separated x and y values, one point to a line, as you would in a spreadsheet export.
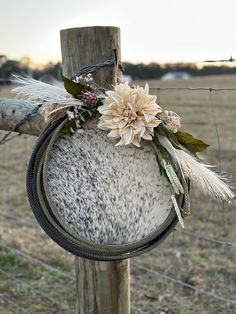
186	231
215	89
186	285
37	261
30	287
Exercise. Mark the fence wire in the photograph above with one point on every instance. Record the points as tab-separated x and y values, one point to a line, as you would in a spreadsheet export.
29	287
27	223
187	285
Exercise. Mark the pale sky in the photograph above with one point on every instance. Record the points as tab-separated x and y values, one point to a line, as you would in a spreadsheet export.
151	30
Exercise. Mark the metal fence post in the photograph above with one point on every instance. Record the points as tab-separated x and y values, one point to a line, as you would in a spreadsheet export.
101	287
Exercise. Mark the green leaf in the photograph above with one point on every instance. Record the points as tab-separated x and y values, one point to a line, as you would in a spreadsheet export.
70	127
167	166
75	89
193	144
162	130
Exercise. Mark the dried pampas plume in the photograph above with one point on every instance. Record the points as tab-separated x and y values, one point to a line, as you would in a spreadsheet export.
198	172
56	100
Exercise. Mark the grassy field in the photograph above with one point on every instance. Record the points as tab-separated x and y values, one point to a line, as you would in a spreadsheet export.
28	286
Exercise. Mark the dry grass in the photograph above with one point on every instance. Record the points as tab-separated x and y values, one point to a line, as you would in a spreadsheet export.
203	264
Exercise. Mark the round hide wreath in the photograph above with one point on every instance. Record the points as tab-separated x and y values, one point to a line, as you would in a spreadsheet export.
109	176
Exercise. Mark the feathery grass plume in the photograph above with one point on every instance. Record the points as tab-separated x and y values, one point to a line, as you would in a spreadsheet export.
39	91
198	172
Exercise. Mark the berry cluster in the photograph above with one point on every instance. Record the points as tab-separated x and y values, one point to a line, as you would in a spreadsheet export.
89	99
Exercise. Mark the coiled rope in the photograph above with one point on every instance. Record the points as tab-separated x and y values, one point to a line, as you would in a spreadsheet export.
49	219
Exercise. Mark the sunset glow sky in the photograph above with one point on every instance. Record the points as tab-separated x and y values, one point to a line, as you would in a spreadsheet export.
151	30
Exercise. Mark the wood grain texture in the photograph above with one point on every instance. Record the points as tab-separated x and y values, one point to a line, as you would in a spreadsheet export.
90	45
105	287
102	287
12	111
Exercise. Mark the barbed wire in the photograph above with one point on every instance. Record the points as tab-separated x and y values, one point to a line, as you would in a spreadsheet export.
189	232
231	59
28	115
209	89
35	260
203	237
186	285
47	266
89	69
161	274
30	287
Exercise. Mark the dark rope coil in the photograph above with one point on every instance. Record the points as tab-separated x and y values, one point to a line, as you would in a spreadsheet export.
47	215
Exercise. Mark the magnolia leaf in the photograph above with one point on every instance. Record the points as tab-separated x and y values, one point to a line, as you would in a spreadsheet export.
193	144
73	88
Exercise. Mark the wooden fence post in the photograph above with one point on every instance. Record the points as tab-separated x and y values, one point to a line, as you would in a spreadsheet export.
101	287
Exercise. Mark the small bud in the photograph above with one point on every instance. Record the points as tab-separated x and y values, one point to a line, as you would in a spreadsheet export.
171	120
89	99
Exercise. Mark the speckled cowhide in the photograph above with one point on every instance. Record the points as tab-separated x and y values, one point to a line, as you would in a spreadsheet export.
107	194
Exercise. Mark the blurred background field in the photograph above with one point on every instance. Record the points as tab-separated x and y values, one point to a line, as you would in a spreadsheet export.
36	276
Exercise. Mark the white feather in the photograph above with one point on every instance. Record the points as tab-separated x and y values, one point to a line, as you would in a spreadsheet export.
39	91
198	172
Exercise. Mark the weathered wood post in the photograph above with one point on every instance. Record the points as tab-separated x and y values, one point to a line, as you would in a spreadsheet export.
101	287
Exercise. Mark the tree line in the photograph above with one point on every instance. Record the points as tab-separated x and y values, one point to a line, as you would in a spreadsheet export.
155	71
136	71
23	67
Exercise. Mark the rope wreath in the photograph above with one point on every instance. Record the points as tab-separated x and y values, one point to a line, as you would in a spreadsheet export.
47	215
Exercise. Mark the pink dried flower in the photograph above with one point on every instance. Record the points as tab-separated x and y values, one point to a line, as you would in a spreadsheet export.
171	120
89	99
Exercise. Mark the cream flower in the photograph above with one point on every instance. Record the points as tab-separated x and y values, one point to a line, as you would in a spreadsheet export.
129	114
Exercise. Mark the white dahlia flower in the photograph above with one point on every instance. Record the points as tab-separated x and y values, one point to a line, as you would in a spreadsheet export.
129	114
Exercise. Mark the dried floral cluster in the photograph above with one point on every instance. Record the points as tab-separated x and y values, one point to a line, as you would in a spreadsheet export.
130	115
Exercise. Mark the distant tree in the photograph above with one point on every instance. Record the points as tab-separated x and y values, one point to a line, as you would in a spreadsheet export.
155	71
12	67
51	69
138	71
3	59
